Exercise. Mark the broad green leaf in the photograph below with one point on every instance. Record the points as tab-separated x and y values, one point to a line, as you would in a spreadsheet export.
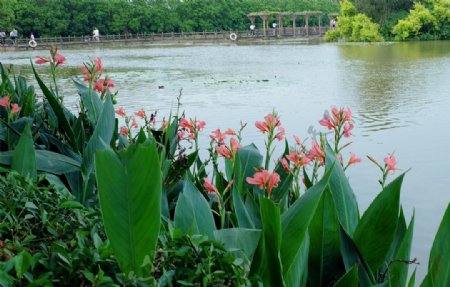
351	256
55	163
22	262
325	262
398	270
192	212
295	222
242	239
101	137
24	157
248	159
91	102
266	262
5	279
412	279
242	215
129	186
344	198
47	161
349	279
398	237
64	126
439	263
375	231
298	273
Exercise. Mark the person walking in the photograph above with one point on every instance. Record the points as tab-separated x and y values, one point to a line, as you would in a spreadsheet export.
252	29
13	36
96	34
2	38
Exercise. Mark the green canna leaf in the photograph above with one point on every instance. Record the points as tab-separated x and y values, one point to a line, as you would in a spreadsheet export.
24	157
344	198
129	186
349	279
439	262
351	256
398	270
192	213
239	239
376	230
266	262
295	222
242	215
325	262
248	159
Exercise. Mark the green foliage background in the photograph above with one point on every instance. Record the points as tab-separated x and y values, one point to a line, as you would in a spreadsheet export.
79	17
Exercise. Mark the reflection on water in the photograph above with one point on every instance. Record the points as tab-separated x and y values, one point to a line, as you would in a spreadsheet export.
399	93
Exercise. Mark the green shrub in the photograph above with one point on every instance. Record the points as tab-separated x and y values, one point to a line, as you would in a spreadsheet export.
354	27
197	261
46	238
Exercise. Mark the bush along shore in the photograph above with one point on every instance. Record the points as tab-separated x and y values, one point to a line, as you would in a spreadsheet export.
103	197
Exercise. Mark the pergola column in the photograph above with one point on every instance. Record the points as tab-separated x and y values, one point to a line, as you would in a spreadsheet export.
280	24
307	24
264	18
320	30
294	18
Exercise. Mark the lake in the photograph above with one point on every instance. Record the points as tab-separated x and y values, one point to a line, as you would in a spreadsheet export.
399	94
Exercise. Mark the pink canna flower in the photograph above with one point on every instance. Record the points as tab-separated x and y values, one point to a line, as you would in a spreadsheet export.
274	180
390	162
218	136
186	124
327	122
263	178
230	132
297	140
347	114
293	157
280	135
260	178
335	113
207	184
305	160
353	159
234	144
347	130
285	164
140	113
224	151
98	65
41	60
4	102
123	130
134	124
201	125
15	109
59	59
121	112
103	85
316	152
181	134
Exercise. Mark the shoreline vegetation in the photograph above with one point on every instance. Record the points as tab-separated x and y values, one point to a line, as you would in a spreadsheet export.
357	20
88	199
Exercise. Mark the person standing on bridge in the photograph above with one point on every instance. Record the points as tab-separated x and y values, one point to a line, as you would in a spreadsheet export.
96	34
2	38
252	29
13	36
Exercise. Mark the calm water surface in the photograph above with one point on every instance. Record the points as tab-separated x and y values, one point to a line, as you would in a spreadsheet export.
399	93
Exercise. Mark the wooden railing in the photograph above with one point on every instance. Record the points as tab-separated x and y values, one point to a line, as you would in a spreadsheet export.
177	37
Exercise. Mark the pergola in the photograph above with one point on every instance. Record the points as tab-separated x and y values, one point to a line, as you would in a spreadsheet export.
281	15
